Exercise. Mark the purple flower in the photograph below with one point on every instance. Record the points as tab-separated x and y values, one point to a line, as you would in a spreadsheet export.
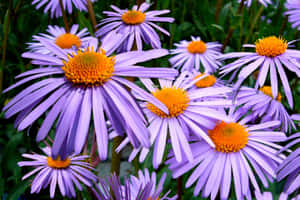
65	173
54	6
135	25
293	7
265	107
196	54
57	35
84	84
242	153
272	54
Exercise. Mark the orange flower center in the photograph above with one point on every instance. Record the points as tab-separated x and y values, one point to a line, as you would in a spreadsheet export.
58	163
196	47
175	99
229	137
89	68
271	46
67	41
207	81
133	17
267	90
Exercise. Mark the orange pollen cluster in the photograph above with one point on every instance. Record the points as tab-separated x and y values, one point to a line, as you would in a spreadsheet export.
150	198
267	90
207	81
133	17
175	99
89	68
271	46
67	41
58	163
196	47
229	137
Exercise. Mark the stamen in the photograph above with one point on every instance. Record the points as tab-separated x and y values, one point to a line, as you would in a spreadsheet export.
196	47
67	41
267	90
271	46
207	81
58	163
133	17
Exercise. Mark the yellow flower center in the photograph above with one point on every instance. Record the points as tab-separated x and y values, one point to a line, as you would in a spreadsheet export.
229	137
89	68
271	46
196	47
267	90
175	99
67	41
133	17
58	163
207	81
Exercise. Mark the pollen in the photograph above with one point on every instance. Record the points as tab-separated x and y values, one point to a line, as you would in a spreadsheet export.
207	81
229	137
58	163
175	99
267	90
89	68
196	47
271	46
133	17
67	41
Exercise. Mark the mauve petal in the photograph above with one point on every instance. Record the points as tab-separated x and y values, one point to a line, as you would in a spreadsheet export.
159	145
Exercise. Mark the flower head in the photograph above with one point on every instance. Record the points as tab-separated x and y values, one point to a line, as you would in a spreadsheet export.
293	7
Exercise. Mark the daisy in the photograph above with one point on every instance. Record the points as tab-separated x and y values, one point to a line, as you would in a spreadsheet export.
57	35
264	106
188	114
80	88
272	54
242	153
293	7
136	25
55	9
65	173
196	54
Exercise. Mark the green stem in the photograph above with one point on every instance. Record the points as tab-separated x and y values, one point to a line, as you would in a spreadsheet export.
139	2
218	10
64	15
116	157
283	25
92	14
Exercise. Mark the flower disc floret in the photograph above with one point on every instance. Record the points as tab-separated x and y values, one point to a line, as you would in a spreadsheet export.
267	90
133	17
89	68
58	163
196	47
271	46
175	99
229	137
67	41
207	81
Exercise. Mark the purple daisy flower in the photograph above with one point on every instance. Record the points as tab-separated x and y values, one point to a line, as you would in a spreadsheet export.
265	107
54	6
196	54
272	54
242	150
293	7
135	25
87	83
188	113
57	35
66	173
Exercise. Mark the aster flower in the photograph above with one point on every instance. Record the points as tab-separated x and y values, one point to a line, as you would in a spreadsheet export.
87	83
196	54
242	150
188	114
135	25
272	54
263	105
54	7
57	35
65	173
293	7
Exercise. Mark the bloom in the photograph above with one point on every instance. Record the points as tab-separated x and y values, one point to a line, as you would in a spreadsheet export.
65	173
272	53
135	25
188	115
241	149
293	7
55	9
86	83
196	54
57	35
